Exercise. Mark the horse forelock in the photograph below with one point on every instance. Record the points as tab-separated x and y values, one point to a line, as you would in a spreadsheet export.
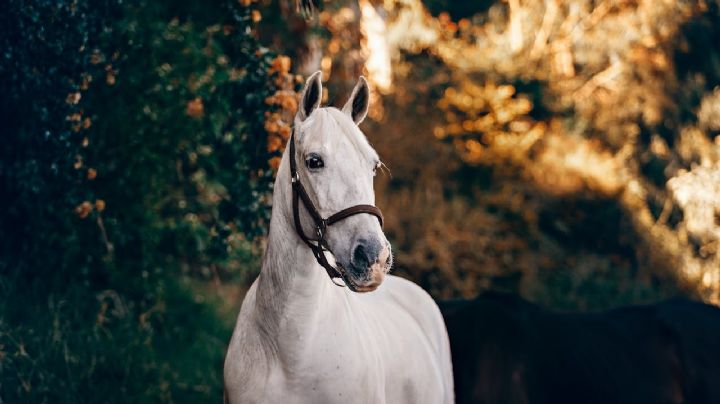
324	124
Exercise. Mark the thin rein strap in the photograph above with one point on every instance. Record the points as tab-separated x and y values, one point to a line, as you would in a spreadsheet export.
299	192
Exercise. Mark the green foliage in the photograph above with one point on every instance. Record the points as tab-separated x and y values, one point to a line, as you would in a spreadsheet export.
134	158
184	129
71	346
46	48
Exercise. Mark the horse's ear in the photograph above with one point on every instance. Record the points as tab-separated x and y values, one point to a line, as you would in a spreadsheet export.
311	96
357	105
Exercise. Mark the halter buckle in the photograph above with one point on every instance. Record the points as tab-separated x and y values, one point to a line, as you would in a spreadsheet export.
295	178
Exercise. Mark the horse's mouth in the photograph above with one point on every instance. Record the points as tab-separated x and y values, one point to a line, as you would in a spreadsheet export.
367	288
377	275
361	288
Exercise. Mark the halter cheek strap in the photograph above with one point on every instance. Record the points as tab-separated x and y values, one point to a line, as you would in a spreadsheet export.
319	245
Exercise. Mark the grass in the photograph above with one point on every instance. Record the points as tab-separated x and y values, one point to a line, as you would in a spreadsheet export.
70	344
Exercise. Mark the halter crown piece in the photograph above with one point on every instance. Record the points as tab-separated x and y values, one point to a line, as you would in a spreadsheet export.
319	245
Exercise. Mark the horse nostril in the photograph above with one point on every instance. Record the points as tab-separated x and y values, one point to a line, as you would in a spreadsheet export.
360	256
365	254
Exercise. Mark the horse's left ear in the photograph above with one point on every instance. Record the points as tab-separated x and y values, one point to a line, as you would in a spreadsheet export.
311	96
357	105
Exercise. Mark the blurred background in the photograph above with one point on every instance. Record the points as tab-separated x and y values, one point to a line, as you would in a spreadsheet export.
568	152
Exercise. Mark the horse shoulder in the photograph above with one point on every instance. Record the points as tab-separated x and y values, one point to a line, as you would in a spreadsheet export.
419	305
425	312
246	362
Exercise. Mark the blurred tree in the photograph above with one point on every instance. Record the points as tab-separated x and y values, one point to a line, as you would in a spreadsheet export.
602	100
140	139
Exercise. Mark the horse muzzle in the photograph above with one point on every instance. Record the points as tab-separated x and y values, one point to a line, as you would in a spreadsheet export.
369	263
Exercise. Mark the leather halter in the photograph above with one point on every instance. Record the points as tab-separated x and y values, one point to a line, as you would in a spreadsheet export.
319	245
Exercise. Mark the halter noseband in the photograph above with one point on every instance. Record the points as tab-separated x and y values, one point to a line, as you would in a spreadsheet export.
319	245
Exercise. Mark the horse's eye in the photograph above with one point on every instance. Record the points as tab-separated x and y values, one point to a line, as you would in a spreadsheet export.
314	162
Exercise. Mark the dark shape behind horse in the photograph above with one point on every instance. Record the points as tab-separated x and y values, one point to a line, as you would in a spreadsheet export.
506	350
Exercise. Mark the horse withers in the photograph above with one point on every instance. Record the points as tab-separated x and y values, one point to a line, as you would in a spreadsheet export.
300	338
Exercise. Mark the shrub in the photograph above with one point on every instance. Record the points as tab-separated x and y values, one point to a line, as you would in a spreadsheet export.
137	156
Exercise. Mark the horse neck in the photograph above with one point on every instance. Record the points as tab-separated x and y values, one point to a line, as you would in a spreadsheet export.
293	288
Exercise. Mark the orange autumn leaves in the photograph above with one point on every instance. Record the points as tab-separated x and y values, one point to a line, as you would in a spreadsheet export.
84	209
78	122
195	108
283	103
254	14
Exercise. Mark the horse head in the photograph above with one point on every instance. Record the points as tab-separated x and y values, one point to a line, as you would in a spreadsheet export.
332	174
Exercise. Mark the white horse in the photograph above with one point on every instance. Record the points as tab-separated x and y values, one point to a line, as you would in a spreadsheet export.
299	338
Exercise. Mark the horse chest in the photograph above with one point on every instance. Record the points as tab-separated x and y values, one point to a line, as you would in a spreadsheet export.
360	364
337	365
381	359
326	384
336	376
377	354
